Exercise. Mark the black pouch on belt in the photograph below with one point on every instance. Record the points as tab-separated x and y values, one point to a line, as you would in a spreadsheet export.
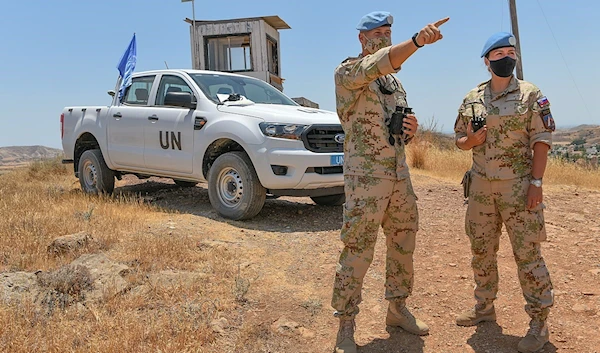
466	183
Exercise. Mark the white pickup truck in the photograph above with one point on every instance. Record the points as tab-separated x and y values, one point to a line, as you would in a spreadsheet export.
242	136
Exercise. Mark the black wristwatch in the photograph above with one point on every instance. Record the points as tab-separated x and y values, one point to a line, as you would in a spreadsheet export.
414	39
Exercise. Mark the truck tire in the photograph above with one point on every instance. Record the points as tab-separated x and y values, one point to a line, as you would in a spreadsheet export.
185	184
233	187
330	200
94	175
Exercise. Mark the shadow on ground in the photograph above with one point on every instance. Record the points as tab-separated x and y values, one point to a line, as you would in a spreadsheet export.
284	214
488	337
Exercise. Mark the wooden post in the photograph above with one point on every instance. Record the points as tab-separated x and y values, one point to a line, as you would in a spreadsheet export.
515	31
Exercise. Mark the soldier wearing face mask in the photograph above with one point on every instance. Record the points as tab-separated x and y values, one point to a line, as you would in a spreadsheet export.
510	144
372	107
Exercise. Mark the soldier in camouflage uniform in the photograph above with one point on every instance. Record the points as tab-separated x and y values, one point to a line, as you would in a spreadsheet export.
506	185
377	182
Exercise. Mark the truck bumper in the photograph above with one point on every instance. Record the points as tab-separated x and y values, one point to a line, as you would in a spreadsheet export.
286	164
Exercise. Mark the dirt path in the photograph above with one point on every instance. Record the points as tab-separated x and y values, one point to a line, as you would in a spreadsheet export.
290	250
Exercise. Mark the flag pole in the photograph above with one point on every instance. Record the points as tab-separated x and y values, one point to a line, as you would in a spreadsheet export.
115	96
126	67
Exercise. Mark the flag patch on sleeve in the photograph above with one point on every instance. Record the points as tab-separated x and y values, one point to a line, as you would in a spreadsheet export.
543	102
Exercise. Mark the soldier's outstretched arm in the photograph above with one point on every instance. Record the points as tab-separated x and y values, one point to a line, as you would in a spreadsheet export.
359	73
428	35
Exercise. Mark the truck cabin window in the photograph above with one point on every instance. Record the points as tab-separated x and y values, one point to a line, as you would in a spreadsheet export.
170	83
255	90
138	92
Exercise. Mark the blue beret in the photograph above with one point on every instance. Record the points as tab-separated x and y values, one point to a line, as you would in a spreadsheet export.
375	19
498	40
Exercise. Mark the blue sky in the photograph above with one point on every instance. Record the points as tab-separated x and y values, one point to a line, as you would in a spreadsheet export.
64	53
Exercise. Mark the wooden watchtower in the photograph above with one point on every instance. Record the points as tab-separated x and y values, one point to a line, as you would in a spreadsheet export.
248	46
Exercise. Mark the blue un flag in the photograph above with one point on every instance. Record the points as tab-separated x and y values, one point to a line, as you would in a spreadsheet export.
127	65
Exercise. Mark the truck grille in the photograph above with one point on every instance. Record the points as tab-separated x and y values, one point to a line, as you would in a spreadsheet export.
322	138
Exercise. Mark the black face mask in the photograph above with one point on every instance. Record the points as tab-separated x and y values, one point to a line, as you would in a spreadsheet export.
503	67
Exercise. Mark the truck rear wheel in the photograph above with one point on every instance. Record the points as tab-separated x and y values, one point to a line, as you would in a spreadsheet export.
233	187
94	175
330	200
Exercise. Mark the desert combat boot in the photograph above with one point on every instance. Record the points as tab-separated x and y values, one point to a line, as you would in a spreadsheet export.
399	316
536	337
477	314
345	338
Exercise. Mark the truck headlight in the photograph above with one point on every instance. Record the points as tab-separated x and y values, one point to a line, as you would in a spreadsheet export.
285	131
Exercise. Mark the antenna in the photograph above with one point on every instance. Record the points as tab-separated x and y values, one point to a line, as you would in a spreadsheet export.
166	64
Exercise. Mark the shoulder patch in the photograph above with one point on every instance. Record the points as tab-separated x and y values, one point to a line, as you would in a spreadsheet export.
545	113
543	102
547	119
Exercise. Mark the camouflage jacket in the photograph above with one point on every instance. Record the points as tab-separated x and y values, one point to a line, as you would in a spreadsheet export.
363	111
516	119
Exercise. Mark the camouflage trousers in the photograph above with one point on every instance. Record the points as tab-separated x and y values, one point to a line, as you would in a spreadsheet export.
492	203
371	202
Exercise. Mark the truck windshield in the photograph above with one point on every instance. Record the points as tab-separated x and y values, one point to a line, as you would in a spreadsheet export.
254	89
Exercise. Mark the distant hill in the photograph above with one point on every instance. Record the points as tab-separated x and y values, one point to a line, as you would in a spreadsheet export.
591	133
15	156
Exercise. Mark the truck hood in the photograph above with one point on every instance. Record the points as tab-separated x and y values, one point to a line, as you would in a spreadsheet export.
287	114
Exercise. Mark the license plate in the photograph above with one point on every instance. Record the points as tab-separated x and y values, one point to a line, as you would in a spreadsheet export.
337	160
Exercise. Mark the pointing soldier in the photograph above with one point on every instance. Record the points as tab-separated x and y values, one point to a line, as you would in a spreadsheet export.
372	107
508	125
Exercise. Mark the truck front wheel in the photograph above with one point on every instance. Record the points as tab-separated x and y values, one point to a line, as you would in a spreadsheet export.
233	187
94	175
330	200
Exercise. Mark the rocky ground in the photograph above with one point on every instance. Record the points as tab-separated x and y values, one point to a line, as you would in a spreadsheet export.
286	258
290	250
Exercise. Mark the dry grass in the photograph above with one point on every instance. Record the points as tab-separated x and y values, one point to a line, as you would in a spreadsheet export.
42	202
561	172
130	327
431	154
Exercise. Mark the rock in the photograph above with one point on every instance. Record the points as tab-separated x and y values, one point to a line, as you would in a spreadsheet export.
452	265
16	285
219	325
595	271
106	274
220	245
71	242
306	333
284	325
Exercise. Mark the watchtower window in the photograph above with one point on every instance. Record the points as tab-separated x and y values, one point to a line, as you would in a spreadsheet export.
273	56
229	53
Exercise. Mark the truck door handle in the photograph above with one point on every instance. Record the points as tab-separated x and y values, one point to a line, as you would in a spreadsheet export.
153	117
117	115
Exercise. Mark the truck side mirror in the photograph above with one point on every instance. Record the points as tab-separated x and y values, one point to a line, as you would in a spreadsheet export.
180	99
